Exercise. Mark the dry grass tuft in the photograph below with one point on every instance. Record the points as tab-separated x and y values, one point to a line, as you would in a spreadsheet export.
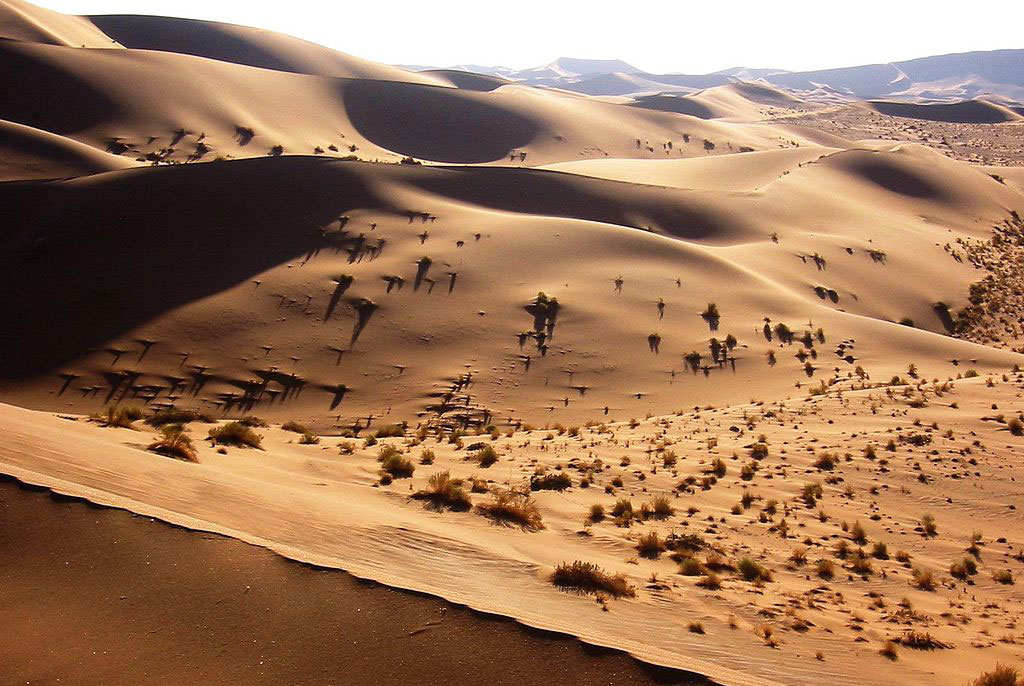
443	491
236	433
586	577
173	441
512	508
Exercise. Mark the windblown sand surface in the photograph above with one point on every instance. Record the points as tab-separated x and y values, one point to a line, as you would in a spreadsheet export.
745	325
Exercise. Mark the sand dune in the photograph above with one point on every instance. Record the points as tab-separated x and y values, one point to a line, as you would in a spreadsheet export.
245	45
731	345
29	153
970	111
22	21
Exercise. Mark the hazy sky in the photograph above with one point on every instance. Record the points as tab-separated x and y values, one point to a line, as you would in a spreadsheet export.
656	36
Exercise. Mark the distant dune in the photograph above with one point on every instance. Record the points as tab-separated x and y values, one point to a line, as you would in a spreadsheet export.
970	112
721	373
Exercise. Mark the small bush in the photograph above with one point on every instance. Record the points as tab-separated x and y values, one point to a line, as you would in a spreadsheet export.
662	508
444	492
119	415
172	415
825	568
1002	675
1004	576
390	431
690	566
426	456
253	422
696	627
889	650
550	482
751	570
650	545
236	433
510	507
928	525
486	456
308	438
596	513
711	581
398	466
718	467
174	442
825	462
295	427
923	579
586	577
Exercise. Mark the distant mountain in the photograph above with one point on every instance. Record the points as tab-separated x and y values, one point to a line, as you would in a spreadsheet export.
997	75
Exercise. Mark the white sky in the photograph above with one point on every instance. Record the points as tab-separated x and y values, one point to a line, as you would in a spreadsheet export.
656	36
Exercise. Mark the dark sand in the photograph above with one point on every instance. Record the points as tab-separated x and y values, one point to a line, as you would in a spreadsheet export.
93	595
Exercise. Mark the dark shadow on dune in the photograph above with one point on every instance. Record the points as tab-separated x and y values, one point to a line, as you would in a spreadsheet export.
468	80
530	191
87	260
674	103
434	123
37	92
884	173
967	112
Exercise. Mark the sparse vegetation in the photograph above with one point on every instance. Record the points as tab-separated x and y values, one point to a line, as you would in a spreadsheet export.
174	441
512	508
586	577
237	434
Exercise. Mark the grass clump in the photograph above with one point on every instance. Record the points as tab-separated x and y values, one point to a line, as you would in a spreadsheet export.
1002	675
390	431
650	545
253	422
172	415
295	427
396	465
550	482
486	456
119	415
443	491
588	578
236	433
752	570
174	441
512	508
308	438
923	579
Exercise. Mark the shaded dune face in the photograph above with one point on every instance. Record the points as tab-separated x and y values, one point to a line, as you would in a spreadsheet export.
970	112
103	255
440	124
36	92
678	105
676	213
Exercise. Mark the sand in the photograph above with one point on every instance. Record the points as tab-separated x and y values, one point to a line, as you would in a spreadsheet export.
231	221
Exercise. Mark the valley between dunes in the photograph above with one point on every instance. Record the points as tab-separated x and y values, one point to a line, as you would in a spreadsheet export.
749	340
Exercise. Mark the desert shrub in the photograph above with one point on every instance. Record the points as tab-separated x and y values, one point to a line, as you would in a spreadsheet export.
799	555
825	568
443	491
390	431
309	438
751	570
963	568
426	456
811	493
718	467
119	415
858	534
236	433
172	415
662	508
923	579
759	451
928	525
173	441
861	564
711	581
621	507
510	507
920	640
295	427
1004	576
690	566
550	482
486	456
669	458
888	650
1002	675
696	627
596	513
650	545
880	551
253	422
398	466
586	577
825	462
1015	426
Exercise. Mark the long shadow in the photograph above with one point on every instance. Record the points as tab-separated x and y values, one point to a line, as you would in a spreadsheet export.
343	281
126	248
422	267
364	310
